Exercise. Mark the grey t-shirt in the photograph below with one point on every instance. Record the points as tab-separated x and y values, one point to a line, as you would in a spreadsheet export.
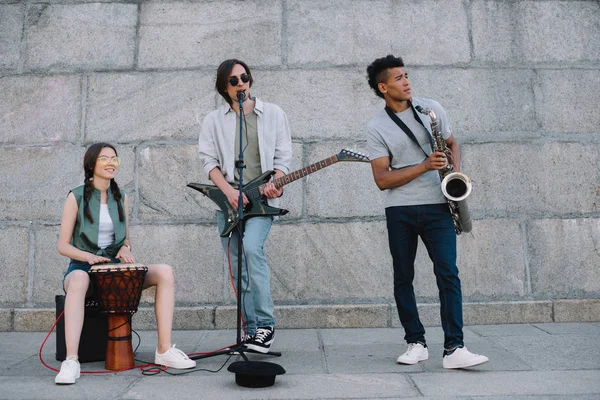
386	139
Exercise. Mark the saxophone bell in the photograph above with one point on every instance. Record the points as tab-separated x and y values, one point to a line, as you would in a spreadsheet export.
456	186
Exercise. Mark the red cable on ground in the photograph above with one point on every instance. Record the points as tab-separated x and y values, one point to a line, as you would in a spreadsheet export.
141	367
214	351
233	282
235	293
83	372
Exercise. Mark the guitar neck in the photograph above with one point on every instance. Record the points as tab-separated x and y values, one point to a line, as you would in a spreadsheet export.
301	173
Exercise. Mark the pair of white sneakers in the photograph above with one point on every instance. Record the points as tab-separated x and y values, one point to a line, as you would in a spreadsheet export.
70	369
459	358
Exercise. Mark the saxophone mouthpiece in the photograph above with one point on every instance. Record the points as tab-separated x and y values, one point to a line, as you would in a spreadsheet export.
426	111
422	110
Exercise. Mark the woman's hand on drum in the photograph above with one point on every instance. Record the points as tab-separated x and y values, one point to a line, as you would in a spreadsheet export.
94	259
125	255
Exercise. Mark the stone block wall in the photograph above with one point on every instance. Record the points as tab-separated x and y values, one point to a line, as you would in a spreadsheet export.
519	80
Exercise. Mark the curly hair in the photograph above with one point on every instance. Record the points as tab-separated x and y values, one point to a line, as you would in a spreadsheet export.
89	164
378	70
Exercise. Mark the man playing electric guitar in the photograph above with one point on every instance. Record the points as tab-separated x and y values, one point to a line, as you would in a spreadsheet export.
267	147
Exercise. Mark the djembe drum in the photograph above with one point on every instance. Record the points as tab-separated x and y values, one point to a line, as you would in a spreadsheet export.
118	288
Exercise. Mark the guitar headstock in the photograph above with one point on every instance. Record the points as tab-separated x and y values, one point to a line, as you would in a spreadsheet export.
351	155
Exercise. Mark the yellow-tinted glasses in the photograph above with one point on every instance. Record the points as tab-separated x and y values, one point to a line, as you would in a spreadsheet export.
104	160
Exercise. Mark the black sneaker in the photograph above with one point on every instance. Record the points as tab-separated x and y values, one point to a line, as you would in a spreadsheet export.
248	338
263	339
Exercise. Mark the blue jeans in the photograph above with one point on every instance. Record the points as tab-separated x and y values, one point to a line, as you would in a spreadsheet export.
433	223
257	304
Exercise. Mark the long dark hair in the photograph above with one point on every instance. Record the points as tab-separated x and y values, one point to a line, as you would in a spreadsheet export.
89	164
223	73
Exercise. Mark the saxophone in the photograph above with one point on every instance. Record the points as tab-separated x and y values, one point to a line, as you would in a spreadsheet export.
456	186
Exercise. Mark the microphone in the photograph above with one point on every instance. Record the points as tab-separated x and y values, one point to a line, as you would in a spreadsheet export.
241	95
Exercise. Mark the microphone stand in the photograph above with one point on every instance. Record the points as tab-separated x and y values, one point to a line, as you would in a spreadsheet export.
239	164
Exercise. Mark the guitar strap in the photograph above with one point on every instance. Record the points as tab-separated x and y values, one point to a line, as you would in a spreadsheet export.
407	130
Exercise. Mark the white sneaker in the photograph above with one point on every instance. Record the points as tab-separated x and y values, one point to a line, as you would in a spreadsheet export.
69	372
174	358
463	358
416	352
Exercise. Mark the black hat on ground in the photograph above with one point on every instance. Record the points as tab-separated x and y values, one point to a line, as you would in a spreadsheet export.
255	374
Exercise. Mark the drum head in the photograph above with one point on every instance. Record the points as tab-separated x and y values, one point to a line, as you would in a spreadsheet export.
113	267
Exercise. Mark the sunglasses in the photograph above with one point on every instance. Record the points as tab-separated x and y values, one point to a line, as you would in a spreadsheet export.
233	81
104	160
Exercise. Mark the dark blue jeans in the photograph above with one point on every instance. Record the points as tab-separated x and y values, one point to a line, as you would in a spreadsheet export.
433	224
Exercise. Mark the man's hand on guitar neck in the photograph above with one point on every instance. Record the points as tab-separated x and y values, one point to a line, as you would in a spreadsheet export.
270	191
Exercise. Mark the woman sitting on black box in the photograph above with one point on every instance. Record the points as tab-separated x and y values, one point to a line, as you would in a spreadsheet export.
94	230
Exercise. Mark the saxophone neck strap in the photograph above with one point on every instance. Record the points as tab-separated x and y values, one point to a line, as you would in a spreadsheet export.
407	130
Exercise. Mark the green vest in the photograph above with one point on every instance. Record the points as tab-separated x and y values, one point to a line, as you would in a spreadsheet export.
85	233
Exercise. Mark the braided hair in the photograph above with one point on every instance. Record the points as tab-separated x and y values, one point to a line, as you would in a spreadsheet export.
89	164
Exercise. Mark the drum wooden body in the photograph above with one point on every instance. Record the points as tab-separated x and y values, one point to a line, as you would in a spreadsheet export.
118	288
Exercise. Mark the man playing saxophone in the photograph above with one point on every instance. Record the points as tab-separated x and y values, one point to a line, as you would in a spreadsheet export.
406	167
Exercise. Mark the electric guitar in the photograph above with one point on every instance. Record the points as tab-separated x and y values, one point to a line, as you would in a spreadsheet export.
257	204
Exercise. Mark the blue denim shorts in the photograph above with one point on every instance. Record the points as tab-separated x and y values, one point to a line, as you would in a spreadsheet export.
75	265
